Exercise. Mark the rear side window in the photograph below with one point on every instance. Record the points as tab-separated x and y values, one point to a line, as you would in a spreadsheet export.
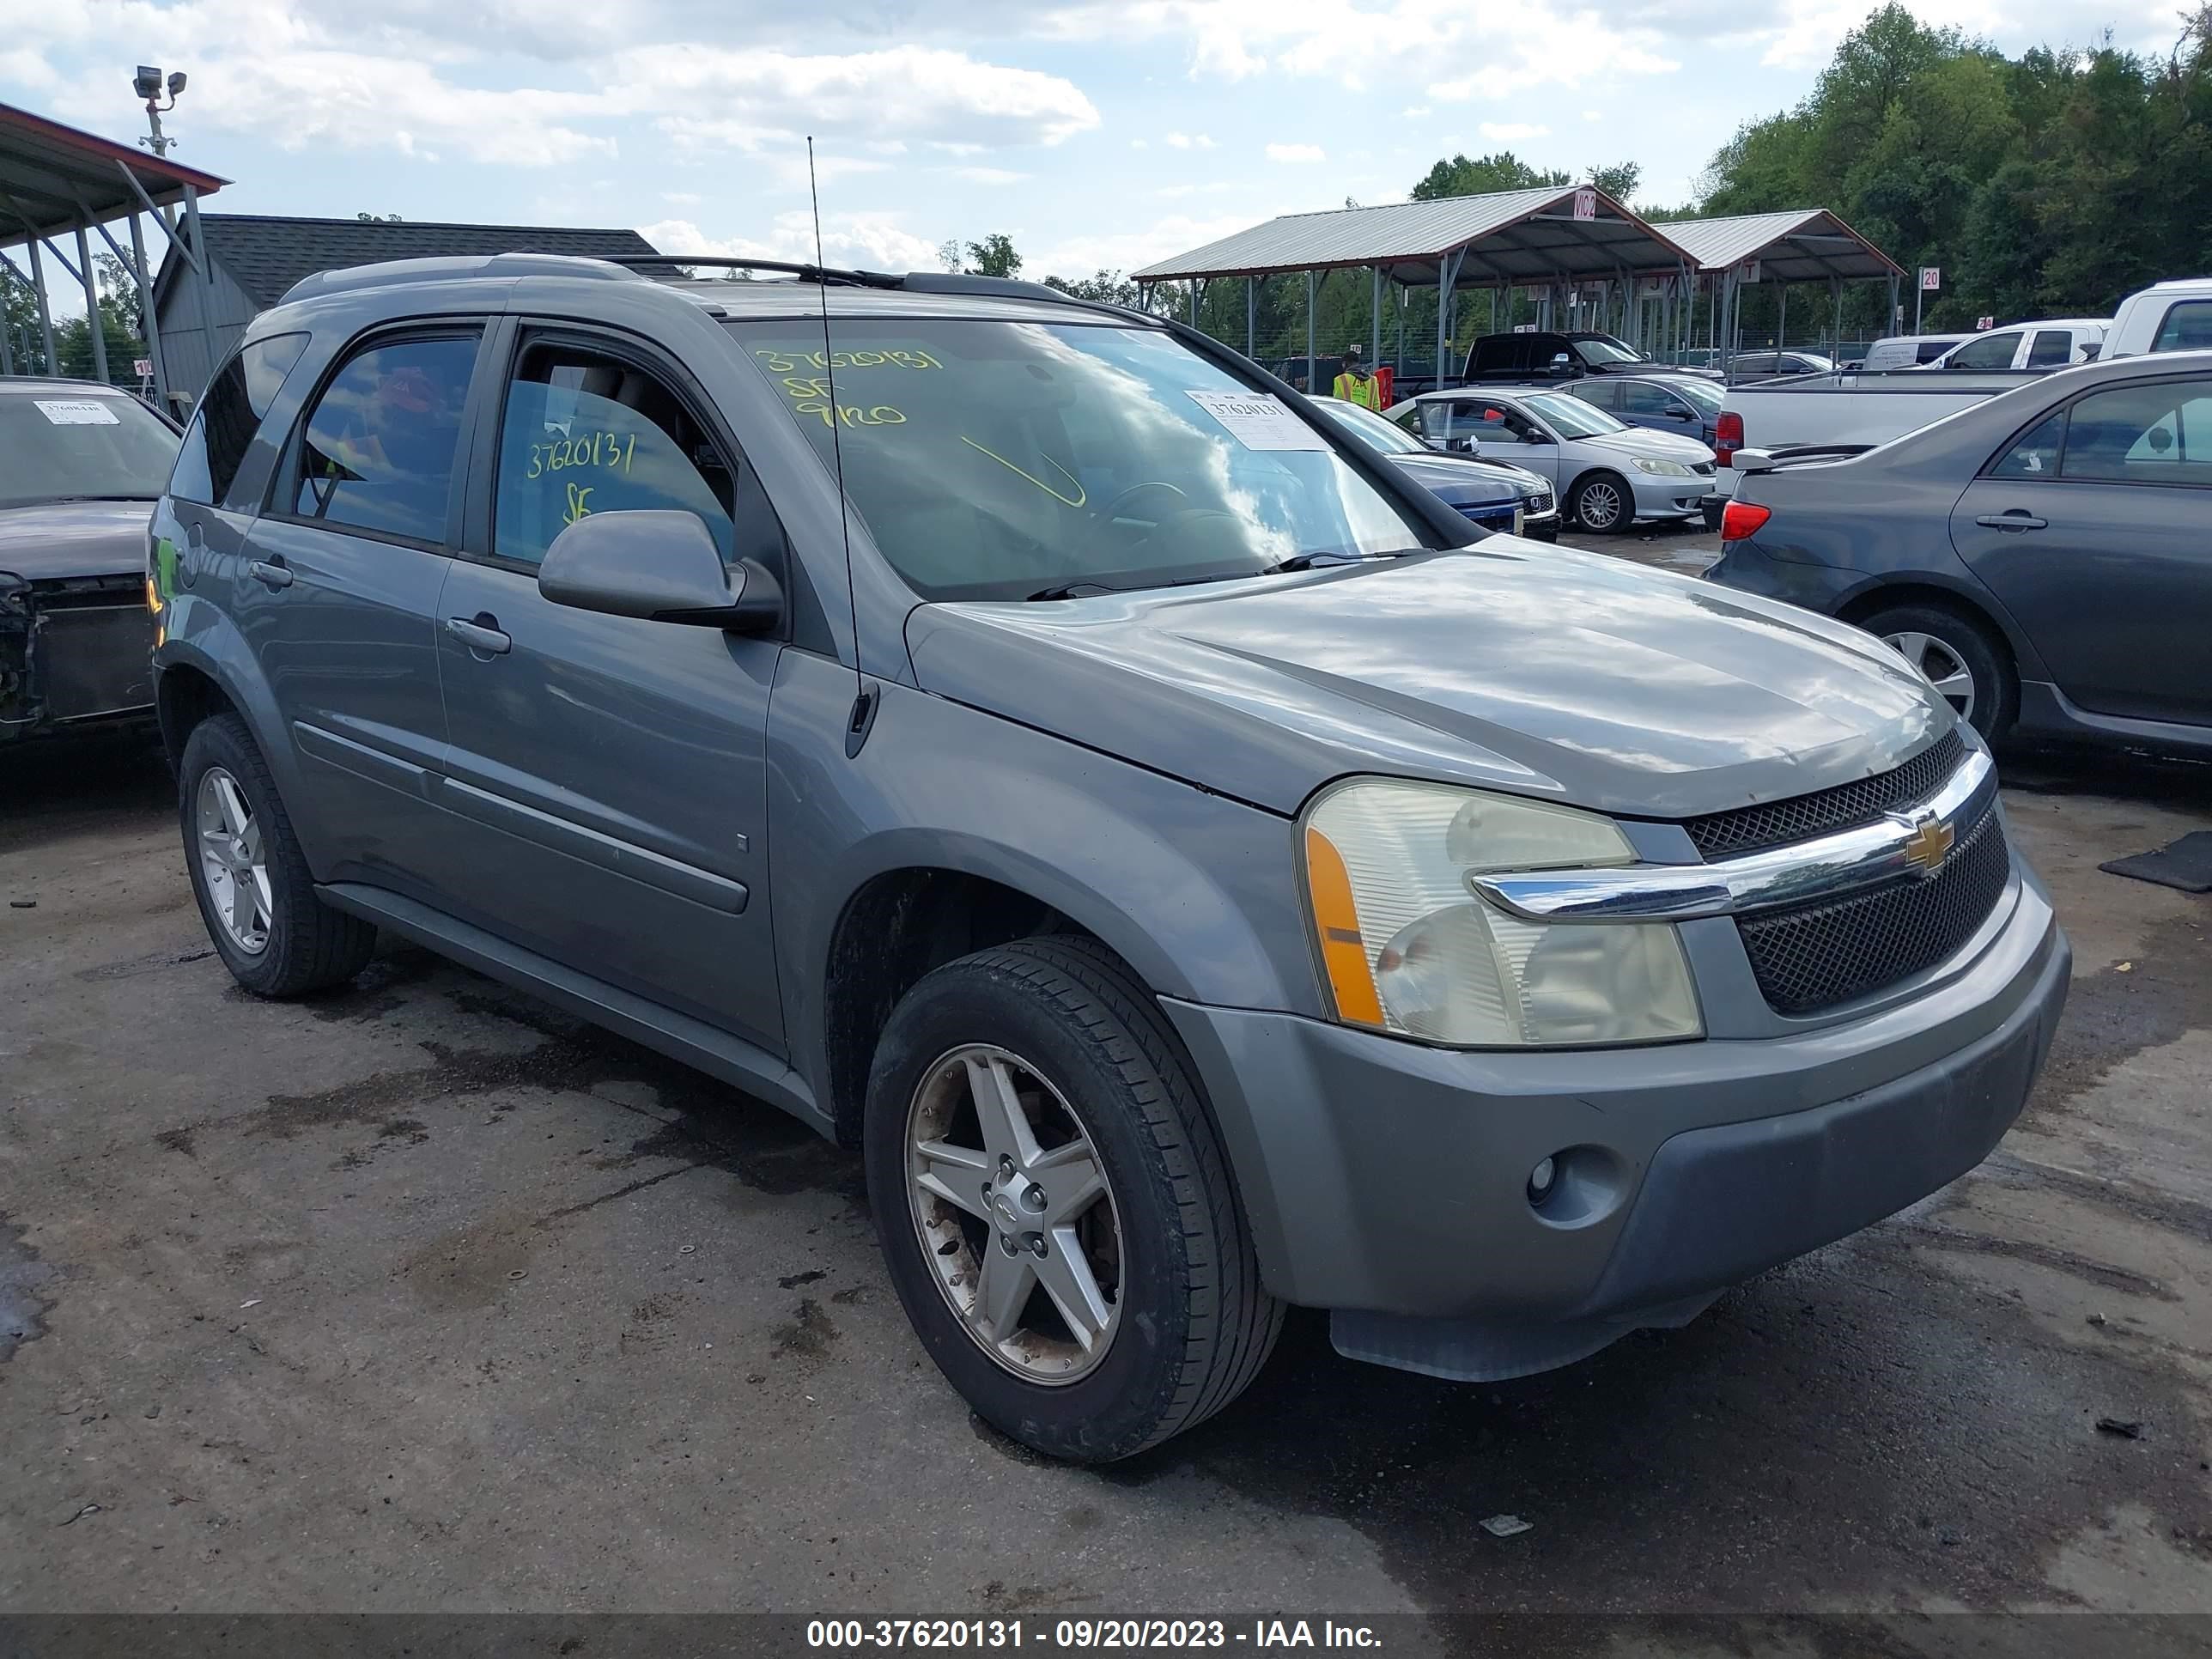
377	451
2053	349
230	412
2157	435
2187	327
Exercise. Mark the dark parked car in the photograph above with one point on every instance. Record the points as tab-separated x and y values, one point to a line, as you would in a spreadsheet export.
2043	557
1496	494
1569	355
1666	402
1195	869
1763	365
81	465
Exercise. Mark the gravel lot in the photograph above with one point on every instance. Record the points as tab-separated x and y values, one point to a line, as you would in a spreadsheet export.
424	1297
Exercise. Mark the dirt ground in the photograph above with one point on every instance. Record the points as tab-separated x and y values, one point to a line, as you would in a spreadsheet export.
423	1296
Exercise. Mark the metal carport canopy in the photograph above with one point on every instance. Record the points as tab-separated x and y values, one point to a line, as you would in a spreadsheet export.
1804	245
1528	236
54	179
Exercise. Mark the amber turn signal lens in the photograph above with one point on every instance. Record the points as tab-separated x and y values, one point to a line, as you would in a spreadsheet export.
1336	918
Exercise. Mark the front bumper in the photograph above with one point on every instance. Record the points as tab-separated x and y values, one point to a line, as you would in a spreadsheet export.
1387	1181
1658	496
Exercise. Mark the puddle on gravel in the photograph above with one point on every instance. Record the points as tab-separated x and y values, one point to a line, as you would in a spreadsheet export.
24	1302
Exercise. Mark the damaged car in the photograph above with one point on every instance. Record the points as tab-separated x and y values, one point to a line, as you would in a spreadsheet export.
81	466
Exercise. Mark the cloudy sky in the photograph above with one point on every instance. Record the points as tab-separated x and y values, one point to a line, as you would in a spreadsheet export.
1095	132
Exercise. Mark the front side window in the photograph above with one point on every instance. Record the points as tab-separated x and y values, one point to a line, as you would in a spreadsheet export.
59	445
2187	327
584	432
1990	351
2035	454
2158	435
377	451
229	414
1644	399
996	460
1602	349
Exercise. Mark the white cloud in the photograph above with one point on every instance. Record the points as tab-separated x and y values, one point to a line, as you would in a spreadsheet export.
1414	111
1079	255
681	197
1295	153
1509	132
1188	141
1593	115
872	241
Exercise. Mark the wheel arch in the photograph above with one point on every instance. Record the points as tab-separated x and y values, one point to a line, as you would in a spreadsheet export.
1879	596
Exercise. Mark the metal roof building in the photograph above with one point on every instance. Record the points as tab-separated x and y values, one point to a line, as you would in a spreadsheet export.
56	180
1557	239
1801	245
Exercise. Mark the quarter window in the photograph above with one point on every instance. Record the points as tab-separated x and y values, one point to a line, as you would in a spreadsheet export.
377	452
2053	349
587	433
229	414
2036	454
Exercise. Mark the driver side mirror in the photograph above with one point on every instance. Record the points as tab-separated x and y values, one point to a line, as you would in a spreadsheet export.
1533	436
1681	414
658	566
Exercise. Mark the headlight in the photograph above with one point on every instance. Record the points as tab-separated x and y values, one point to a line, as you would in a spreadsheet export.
1407	947
1664	468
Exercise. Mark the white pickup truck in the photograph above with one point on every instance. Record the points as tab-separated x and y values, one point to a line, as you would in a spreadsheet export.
1850	411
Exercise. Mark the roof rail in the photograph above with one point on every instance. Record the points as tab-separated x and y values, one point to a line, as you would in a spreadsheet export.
446	268
827	274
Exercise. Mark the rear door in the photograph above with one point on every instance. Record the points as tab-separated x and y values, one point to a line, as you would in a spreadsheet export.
2092	527
608	775
336	593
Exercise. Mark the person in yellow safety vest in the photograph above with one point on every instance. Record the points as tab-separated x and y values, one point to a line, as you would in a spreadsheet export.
1355	384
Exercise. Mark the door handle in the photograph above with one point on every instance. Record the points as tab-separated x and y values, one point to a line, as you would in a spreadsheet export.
271	571
2013	520
481	634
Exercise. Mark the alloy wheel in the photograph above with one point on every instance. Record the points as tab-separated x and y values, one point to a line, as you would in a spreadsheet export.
1015	1215
1600	508
232	860
1940	665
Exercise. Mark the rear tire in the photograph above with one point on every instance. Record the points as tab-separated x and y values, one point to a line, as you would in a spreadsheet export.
1186	1324
256	894
1602	503
1960	658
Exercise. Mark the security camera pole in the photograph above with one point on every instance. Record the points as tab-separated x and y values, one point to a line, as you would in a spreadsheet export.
148	85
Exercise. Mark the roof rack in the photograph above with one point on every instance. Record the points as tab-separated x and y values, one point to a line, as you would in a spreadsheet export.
457	267
912	282
826	274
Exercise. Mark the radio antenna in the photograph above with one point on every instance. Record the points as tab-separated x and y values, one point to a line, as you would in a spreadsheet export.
863	702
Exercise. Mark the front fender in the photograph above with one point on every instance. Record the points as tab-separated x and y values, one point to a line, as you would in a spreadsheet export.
1198	893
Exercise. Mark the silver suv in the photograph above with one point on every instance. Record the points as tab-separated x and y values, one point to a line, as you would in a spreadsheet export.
1197	870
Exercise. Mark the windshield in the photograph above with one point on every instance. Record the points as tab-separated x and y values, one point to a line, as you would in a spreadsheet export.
1002	460
1570	416
63	446
1384	436
1604	348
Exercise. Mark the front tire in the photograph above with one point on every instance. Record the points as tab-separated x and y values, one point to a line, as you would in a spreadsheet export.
256	893
1053	1205
1960	659
1602	503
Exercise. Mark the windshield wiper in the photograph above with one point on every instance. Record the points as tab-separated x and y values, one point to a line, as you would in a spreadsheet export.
1323	561
1068	591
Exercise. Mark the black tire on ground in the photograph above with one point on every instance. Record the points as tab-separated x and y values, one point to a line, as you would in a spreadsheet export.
1974	646
1194	1324
1580	503
310	947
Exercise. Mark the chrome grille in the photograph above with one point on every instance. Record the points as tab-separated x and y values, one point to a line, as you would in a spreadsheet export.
1802	818
1816	958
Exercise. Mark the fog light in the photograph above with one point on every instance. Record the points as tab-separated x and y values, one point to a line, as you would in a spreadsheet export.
1540	1181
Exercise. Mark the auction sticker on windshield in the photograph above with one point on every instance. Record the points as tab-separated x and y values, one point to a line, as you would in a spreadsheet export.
1257	421
88	411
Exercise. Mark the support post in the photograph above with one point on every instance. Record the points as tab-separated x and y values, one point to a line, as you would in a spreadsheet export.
1375	321
1782	319
45	316
147	321
1251	313
94	320
1918	294
1311	389
1193	303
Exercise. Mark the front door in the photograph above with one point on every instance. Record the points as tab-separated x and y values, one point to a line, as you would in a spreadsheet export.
2095	530
610	774
335	590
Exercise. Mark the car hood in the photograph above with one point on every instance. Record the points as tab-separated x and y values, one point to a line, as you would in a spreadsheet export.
1508	664
1462	482
1656	445
74	538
